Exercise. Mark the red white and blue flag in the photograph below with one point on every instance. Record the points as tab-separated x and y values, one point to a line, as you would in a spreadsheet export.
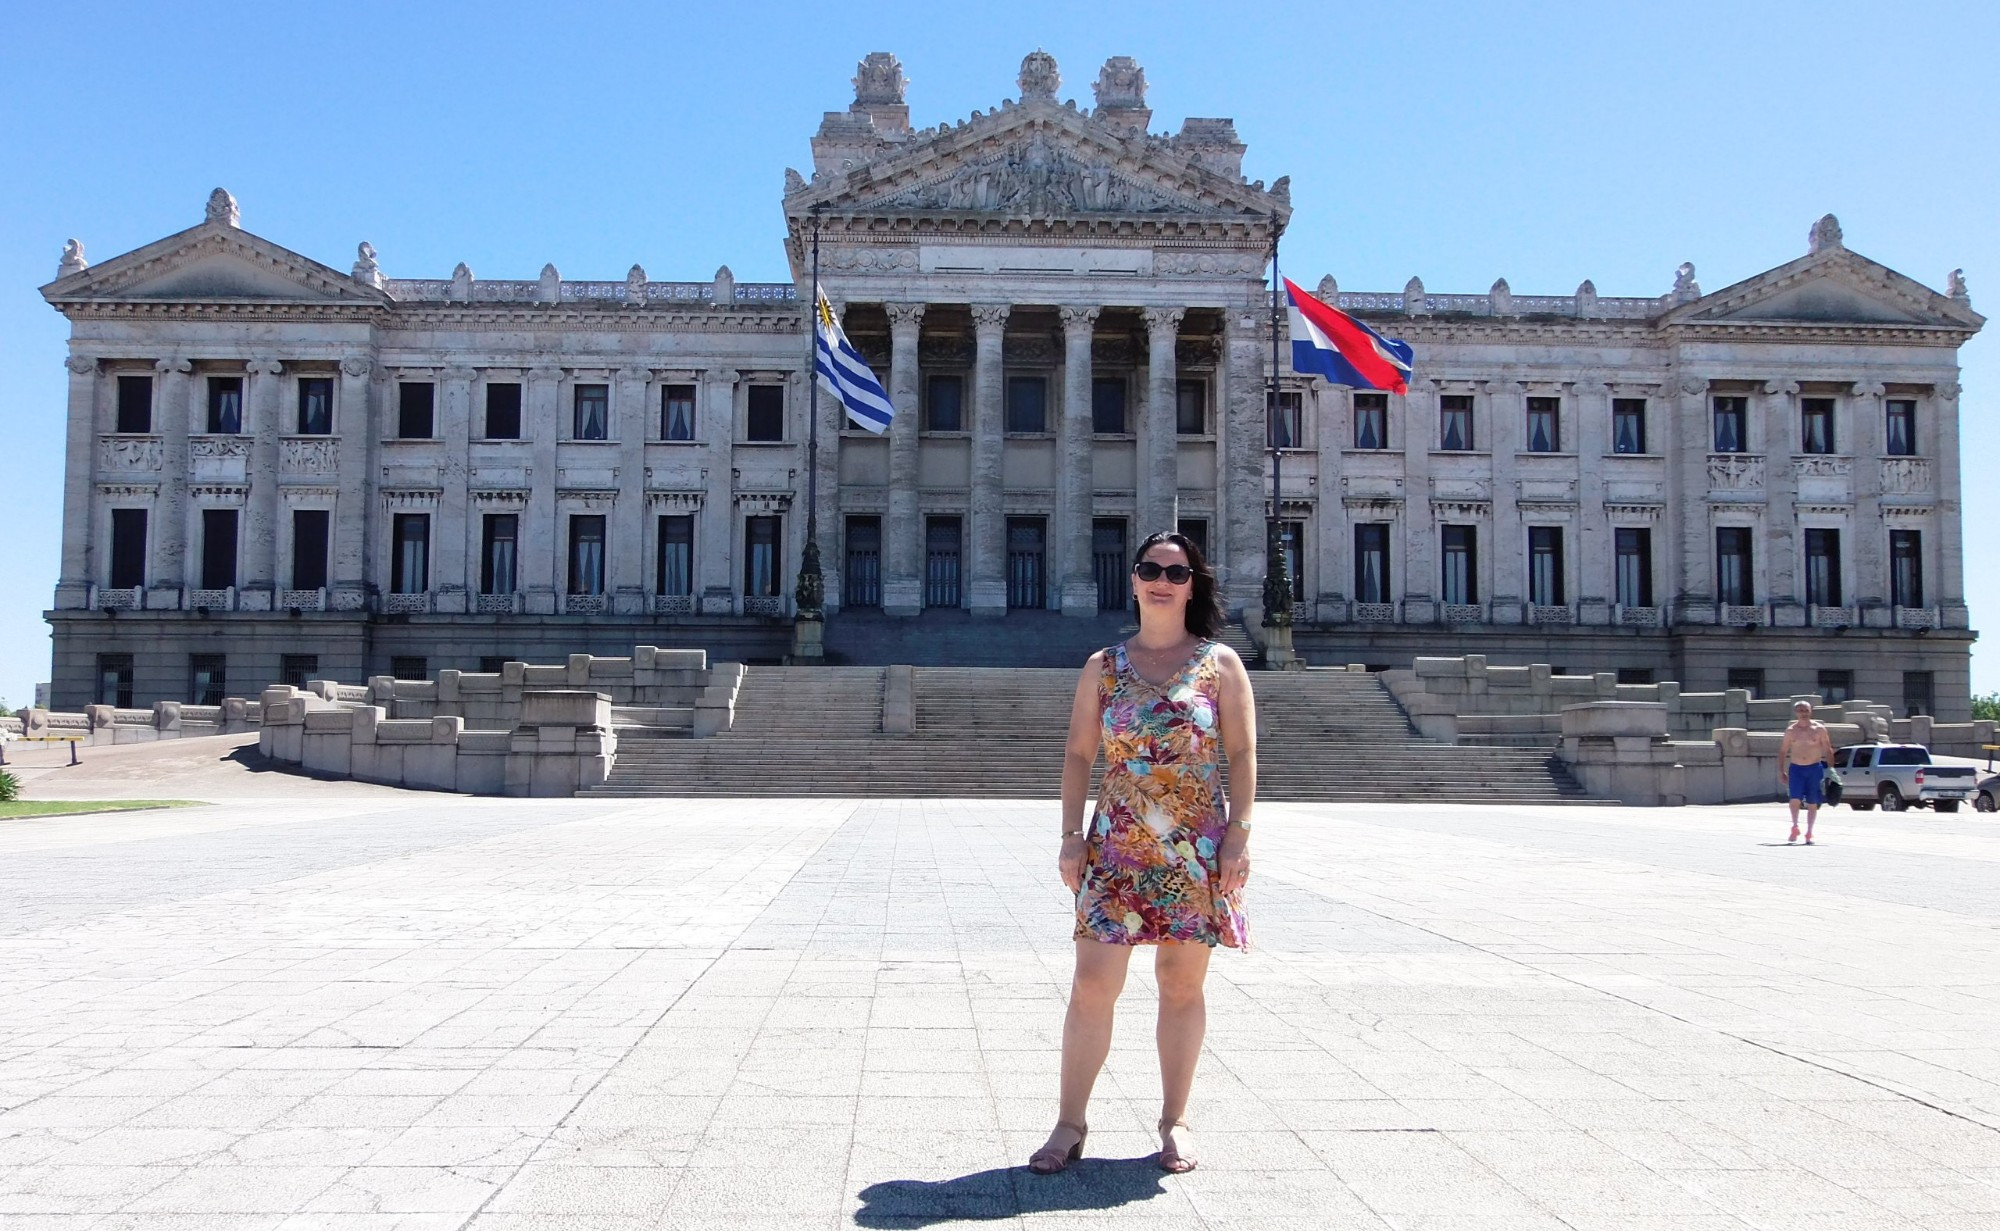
1330	343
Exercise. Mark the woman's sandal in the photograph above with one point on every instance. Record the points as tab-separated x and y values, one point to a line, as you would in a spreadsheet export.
1052	1158
1172	1159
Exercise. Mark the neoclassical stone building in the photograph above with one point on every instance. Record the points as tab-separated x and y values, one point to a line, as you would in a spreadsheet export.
279	469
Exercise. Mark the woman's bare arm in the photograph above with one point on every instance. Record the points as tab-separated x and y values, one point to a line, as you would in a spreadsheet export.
1238	720
1086	735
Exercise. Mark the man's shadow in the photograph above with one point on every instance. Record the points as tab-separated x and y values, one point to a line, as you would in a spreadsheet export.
1007	1192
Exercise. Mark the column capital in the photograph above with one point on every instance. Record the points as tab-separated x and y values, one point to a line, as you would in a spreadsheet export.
1945	391
1869	389
1781	388
1073	317
81	365
357	365
264	367
175	365
991	316
1693	385
719	376
461	373
1164	320
636	372
545	371
904	315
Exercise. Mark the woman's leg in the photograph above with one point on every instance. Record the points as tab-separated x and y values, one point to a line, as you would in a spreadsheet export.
1093	997
1181	970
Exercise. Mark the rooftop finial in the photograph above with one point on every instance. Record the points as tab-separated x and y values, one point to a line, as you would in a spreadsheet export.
879	80
1825	235
1039	79
1121	84
222	209
73	262
1686	289
366	271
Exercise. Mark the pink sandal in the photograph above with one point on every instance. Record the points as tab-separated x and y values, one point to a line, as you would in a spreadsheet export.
1052	1158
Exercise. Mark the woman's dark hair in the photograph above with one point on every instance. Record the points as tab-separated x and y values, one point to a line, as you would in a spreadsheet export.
1204	609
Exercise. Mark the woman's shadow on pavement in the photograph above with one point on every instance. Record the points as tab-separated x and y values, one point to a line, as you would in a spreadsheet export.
1007	1192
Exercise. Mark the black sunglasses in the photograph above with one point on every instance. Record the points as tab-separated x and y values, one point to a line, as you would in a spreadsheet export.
1150	570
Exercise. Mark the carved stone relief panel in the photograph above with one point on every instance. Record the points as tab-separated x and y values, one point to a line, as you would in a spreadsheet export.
310	455
1735	472
128	453
1903	476
219	458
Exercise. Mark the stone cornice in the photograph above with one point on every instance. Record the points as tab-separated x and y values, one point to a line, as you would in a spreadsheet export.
781	320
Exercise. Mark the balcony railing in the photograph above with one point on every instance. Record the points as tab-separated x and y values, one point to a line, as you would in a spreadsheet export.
1916	617
1374	613
212	600
1743	615
407	604
585	604
673	604
1548	613
496	604
1640	617
302	600
1833	617
764	604
122	599
1462	613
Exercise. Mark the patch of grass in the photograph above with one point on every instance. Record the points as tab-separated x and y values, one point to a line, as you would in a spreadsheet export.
59	807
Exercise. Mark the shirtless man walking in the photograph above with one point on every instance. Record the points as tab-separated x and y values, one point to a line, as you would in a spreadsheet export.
1803	757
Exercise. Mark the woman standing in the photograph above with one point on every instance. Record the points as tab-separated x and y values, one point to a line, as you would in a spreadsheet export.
1161	862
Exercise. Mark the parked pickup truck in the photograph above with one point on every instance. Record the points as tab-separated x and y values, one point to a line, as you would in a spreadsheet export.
1899	776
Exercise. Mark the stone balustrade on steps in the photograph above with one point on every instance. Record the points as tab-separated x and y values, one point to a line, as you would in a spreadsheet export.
107	724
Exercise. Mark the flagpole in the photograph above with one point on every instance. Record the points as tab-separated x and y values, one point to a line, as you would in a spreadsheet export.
1277	573
810	593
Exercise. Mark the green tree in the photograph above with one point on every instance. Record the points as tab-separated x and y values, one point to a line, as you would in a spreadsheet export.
1987	706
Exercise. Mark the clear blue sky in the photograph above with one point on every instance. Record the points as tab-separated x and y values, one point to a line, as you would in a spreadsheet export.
1462	142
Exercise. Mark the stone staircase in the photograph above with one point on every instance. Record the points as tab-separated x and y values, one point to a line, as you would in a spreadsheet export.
1326	735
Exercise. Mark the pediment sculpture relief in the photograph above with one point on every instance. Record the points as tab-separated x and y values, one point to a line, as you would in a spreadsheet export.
1038	177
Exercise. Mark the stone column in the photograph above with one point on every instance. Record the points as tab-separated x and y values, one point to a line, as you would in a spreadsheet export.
79	484
1690	533
630	407
354	417
1590	440
1411	416
1159	443
1503	425
265	412
451	583
1867	539
716	422
1783	586
903	568
173	413
1948	592
988	591
1074	485
542	425
1240	523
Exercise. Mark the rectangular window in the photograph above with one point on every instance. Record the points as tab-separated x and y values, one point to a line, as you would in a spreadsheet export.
1917	693
1027	572
1371	562
1733	578
315	406
1836	686
1732	425
1815	425
1107	405
592	420
499	552
1823	568
208	679
114	680
409	667
218	549
1635	675
1545	425
128	548
673	571
1191	408
1628	425
1749	679
1027	404
1634	564
410	558
310	531
944	402
225	405
1906	568
862	578
1900	439
1545	566
298	670
1287	428
503	411
586	553
766	416
493	664
1195	530
1108	566
677	412
1291	538
1455	422
1371	420
135	404
1461	564
944	541
763	562
415	402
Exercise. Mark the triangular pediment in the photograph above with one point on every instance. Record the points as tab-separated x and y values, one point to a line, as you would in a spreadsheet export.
1035	159
1833	287
212	262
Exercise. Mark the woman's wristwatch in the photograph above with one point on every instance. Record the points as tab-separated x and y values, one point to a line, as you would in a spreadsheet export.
1242	825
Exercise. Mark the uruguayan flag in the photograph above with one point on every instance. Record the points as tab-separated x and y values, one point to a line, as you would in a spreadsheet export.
844	373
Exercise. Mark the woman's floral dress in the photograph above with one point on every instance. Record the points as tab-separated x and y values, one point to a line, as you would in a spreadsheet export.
1149	864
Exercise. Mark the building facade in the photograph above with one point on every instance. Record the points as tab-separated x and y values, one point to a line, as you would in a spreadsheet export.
277	469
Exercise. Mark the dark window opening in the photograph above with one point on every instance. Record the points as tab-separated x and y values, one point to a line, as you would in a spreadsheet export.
135	404
1545	566
493	664
410	561
1633	550
677	412
1287	428
673	571
1027	583
1544	425
128	548
1191	407
1107	405
1195	530
315	406
1027	404
944	403
1732	425
1906	568
208	679
218	549
1733	580
592	420
114	680
310	531
1749	679
1461	564
298	669
1900	439
225	405
1635	675
1816	425
862	578
1628	425
1823	568
1836	687
1371	562
1917	693
1371	420
1291	540
1455	422
415	402
410	667
766	413
499	552
586	553
503	411
944	540
763	559
1108	565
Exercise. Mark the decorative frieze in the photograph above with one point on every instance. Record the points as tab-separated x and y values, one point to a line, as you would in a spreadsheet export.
1742	616
120	600
124	492
1735	472
219	495
585	604
763	605
1374	613
302	600
1916	617
496	604
1640	617
499	500
212	600
406	604
1539	613
1905	476
1822	467
129	453
315	455
1462	613
411	500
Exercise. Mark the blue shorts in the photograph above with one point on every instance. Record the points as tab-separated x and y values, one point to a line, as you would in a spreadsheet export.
1806	781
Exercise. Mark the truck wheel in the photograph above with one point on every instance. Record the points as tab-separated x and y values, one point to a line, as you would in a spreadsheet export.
1985	802
1946	805
1892	799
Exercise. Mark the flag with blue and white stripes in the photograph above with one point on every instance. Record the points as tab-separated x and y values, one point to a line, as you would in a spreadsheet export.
845	374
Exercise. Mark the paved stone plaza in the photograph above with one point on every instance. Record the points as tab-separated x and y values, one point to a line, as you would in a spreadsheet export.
328	1005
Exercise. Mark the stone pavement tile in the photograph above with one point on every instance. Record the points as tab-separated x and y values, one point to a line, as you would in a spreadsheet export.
356	1111
1770	1193
1237	1198
351	1221
1415	1173
145	1147
409	1190
509	1220
62	1111
404	1082
1492	1222
492	1111
78	1190
803	1187
27	1146
333	1147
237	1190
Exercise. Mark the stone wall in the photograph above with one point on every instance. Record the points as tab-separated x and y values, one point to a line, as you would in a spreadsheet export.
105	724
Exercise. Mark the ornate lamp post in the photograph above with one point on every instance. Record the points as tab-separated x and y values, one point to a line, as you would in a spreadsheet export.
809	595
1277	570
